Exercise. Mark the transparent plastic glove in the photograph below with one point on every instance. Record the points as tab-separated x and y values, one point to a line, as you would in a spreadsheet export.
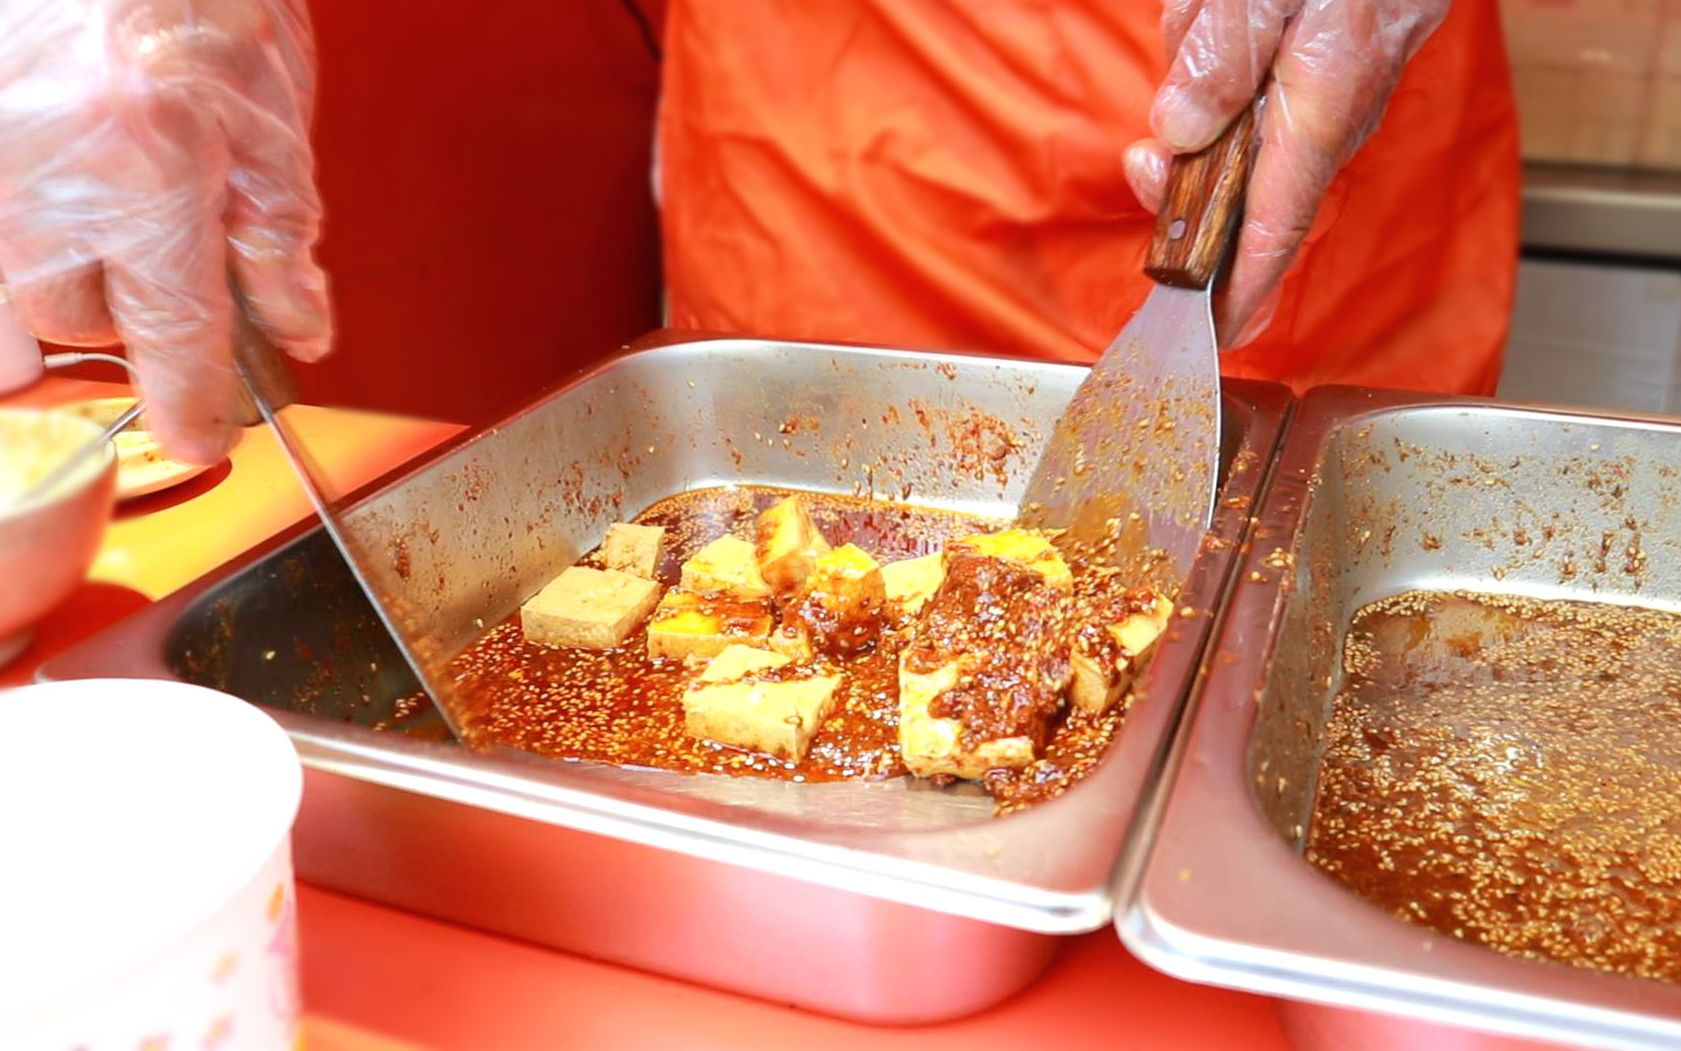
20	355
147	149
1333	65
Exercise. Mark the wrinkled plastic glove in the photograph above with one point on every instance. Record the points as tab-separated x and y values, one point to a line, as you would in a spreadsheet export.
1333	65
148	148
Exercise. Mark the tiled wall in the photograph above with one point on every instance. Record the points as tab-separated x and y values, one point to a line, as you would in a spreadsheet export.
1598	81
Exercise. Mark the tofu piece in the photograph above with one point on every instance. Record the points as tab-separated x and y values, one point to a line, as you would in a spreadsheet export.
726	566
757	700
592	609
1106	656
985	668
839	611
686	624
1026	546
909	583
792	641
633	549
933	746
789	544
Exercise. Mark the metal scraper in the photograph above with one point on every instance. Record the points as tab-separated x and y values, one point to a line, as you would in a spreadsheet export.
1134	460
269	386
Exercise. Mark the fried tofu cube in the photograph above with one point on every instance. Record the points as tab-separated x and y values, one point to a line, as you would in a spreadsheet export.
793	641
757	700
727	566
844	563
789	544
1106	656
1026	546
593	609
985	667
911	582
932	745
687	625
1097	684
840	609
633	549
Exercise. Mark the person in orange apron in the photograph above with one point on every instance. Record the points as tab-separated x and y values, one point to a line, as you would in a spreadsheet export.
942	173
950	173
148	150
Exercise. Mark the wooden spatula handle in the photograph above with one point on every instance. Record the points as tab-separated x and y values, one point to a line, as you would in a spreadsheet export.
1200	209
260	363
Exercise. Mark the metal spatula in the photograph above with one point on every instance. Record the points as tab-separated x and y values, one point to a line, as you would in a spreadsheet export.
269	387
1139	445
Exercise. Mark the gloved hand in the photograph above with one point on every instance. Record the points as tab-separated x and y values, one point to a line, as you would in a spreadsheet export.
147	149
1333	64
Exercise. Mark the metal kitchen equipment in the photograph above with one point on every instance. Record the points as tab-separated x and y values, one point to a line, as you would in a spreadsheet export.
1375	493
268	386
853	899
1141	435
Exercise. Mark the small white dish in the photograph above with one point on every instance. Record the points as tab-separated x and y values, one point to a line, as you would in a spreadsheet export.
142	468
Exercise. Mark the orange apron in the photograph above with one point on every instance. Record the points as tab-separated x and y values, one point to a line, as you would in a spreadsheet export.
947	173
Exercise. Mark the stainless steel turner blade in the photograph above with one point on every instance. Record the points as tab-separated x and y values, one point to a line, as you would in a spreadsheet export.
268	385
1132	465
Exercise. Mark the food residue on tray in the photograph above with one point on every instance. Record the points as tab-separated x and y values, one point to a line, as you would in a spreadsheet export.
807	637
1508	771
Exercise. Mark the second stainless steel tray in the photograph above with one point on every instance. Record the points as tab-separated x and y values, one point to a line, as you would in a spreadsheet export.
1376	493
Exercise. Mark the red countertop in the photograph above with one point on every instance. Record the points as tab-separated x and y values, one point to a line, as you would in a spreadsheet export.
380	979
437	985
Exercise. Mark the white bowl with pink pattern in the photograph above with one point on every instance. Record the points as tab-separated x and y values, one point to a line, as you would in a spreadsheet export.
146	896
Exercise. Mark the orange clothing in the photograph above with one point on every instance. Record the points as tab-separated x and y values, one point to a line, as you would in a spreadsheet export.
946	173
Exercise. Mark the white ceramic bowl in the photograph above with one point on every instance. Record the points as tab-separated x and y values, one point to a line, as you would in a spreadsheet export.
146	896
46	545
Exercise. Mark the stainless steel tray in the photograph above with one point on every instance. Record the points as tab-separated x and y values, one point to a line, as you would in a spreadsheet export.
850	898
1376	493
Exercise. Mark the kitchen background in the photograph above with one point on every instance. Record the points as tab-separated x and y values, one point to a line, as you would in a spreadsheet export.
536	122
1598	313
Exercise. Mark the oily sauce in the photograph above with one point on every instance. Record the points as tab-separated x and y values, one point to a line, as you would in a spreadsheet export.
622	707
1508	771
